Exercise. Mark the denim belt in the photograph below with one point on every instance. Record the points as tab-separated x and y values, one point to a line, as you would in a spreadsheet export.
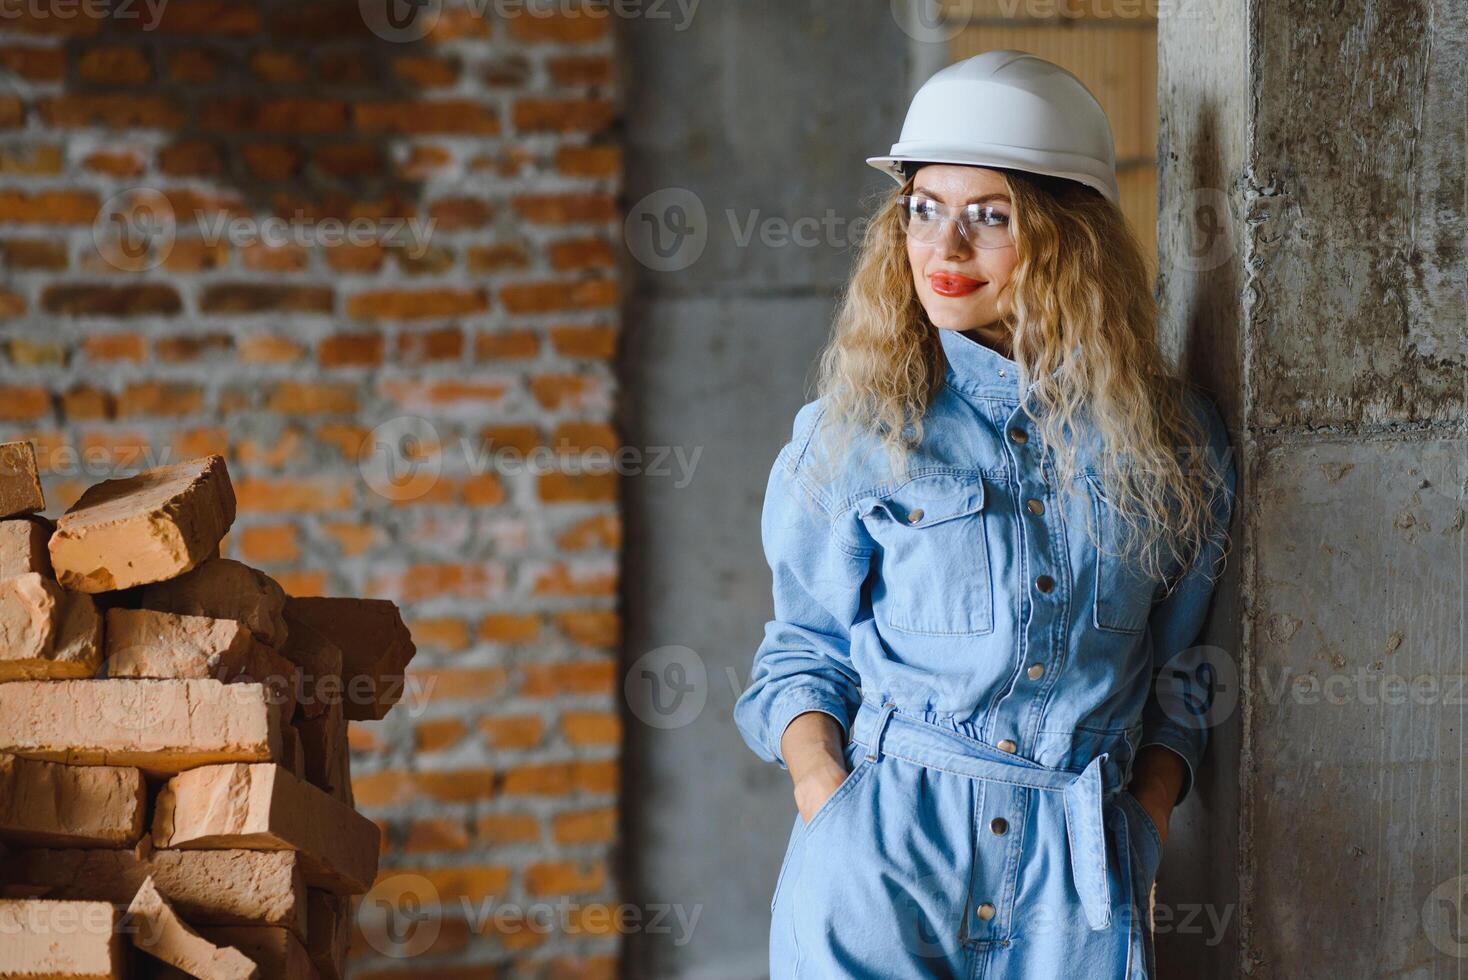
885	729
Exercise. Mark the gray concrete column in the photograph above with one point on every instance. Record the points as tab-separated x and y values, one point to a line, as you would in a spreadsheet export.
1311	229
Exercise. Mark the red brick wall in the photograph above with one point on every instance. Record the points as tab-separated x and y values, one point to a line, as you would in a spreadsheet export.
138	341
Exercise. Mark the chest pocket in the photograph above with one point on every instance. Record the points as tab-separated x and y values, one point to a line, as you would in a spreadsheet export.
1123	591
934	567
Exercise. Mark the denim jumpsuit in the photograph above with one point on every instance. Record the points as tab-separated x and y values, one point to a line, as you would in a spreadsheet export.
994	674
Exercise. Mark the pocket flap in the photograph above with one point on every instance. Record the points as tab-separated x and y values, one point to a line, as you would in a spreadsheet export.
927	500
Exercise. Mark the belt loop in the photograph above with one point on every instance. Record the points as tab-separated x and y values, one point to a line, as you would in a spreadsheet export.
875	748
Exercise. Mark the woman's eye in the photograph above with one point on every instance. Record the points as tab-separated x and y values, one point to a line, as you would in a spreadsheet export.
924	210
987	216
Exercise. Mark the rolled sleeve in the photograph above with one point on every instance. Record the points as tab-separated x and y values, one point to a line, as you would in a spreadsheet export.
1176	714
804	661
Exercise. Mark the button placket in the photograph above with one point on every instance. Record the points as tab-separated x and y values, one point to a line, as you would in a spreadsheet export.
997	862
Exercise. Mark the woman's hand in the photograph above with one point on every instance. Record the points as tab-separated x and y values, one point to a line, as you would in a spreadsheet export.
1157	778
811	745
815	788
1158	807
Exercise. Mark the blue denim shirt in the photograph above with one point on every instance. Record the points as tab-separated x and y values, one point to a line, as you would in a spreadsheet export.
968	591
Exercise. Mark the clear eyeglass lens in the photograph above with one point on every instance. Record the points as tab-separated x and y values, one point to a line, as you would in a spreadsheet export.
926	221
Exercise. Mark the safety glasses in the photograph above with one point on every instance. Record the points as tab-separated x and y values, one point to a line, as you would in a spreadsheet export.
981	225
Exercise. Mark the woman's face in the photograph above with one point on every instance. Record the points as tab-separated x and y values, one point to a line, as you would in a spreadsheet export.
959	285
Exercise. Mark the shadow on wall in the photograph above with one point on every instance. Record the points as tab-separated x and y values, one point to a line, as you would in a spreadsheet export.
371	261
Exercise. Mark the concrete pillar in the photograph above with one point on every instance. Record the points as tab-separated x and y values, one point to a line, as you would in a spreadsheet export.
1312	202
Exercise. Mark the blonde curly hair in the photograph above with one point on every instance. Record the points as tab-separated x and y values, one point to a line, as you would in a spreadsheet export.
1084	322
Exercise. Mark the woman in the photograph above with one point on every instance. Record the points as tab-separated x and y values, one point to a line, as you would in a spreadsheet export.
998	522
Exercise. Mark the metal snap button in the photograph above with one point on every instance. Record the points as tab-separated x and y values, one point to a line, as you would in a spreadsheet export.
986	911
913	516
1036	507
1007	746
999	826
1019	435
1044	583
1036	671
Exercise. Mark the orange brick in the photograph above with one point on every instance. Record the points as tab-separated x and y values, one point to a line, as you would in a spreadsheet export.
412	393
177	350
351	539
424	72
555	680
507	828
513	731
582	253
560	209
452	684
268	258
557	488
591	728
49	207
562	579
431	580
77	403
548	297
115	347
459	213
439	733
195	256
299	582
348	257
35	64
563	391
519	438
348	160
286	495
192	65
589	161
154	398
277	66
565	877
344	349
443	834
442	344
270	543
440	634
590	627
402	304
591	341
71	299
542	115
509	627
287	114
585	826
506	345
266	298
576	70
116	163
569	27
312	398
115	111
459	116
494	258
391	787
191	158
114	66
471	882
268	349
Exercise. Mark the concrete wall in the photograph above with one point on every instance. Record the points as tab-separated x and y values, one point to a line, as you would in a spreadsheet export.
762	112
1327	145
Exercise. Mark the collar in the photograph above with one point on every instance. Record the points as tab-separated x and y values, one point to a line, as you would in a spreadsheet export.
981	370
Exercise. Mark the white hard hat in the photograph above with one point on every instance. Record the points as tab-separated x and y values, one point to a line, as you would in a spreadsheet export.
1008	109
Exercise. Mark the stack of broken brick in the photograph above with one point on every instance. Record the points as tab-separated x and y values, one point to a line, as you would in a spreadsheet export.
174	787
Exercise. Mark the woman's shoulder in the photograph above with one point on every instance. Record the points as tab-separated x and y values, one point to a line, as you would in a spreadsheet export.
832	460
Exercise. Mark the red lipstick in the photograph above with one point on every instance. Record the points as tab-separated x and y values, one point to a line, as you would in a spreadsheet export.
953	284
